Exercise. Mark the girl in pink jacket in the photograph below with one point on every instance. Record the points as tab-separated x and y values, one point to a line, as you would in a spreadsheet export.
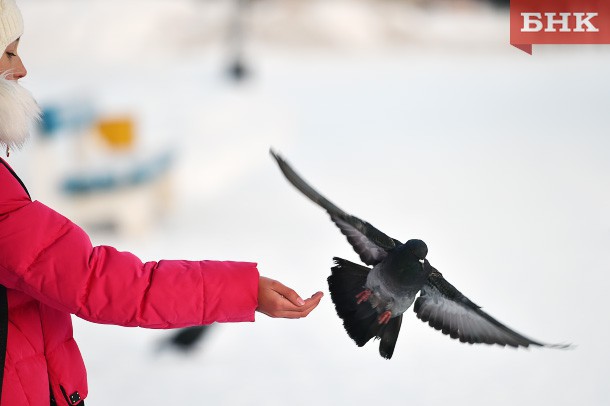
49	270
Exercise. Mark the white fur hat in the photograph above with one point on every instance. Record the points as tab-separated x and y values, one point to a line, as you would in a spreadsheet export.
11	23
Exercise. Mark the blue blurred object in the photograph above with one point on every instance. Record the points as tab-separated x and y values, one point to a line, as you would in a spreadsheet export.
72	116
105	180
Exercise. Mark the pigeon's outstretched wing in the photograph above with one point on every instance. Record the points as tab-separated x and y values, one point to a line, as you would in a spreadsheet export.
370	243
443	307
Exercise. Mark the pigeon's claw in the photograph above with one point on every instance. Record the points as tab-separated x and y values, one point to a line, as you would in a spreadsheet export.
384	317
363	296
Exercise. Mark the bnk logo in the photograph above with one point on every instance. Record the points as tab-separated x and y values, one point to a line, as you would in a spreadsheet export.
581	22
559	22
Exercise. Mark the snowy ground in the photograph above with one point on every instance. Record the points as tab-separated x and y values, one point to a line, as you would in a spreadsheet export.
497	159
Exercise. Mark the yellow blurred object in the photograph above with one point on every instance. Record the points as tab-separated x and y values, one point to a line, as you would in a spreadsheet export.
118	132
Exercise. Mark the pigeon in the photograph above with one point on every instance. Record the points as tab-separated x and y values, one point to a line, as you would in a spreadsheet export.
371	299
186	338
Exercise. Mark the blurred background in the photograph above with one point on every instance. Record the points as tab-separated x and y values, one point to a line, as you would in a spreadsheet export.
417	116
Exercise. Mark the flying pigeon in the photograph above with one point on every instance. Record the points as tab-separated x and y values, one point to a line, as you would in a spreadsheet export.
371	301
186	338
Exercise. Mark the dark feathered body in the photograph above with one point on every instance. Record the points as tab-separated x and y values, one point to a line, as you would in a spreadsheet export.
401	271
393	284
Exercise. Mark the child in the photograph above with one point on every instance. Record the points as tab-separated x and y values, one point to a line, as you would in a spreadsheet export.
49	270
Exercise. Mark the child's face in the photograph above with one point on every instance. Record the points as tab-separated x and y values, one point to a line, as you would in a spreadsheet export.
11	64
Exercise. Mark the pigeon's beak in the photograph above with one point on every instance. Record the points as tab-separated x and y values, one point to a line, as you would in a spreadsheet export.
421	261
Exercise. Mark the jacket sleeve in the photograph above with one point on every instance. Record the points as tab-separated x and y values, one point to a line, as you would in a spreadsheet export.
51	259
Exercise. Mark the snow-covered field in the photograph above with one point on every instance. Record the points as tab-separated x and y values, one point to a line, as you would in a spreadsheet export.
497	159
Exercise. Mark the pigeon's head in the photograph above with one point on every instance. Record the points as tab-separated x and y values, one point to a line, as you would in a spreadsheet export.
418	248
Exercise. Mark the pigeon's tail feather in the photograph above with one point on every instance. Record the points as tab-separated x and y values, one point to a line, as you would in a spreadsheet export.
389	335
347	280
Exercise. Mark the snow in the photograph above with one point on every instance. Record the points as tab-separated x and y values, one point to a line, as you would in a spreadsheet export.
497	159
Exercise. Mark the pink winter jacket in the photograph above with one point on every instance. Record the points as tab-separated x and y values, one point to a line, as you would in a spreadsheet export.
51	270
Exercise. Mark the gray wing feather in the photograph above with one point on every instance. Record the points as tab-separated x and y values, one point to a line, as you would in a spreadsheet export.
445	308
368	242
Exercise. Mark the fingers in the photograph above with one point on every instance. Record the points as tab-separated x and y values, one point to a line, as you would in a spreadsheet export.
288	293
290	312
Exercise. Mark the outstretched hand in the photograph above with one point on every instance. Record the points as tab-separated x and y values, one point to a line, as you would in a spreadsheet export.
278	300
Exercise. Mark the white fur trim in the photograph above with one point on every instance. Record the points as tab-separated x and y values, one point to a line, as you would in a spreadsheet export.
18	111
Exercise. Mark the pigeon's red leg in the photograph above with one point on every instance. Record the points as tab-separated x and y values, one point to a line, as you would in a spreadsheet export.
363	296
384	317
